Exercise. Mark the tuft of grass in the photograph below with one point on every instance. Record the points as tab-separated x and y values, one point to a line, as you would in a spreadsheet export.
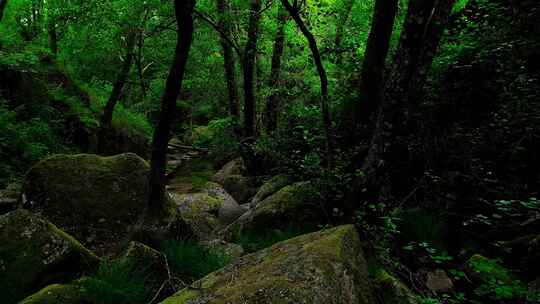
190	261
117	282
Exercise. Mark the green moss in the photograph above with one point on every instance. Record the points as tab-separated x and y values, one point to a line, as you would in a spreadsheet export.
34	252
323	267
57	294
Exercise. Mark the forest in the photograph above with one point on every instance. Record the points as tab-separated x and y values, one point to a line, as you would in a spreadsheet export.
269	151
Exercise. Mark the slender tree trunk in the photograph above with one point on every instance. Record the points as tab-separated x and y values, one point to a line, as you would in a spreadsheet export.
139	63
108	111
327	122
389	156
250	52
184	18
272	104
340	29
53	37
228	58
3	4
378	44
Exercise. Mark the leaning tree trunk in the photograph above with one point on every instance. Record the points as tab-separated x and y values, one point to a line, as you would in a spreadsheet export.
184	19
3	4
228	58
250	52
108	111
327	122
272	104
378	44
387	162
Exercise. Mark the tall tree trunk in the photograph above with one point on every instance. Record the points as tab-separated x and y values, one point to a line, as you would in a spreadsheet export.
108	111
327	122
386	168
3	4
228	58
272	104
248	65
53	37
184	19
378	44
340	29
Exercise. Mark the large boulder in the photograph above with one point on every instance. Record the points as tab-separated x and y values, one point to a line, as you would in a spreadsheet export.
325	267
35	253
233	178
96	199
270	187
294	205
234	167
207	211
9	198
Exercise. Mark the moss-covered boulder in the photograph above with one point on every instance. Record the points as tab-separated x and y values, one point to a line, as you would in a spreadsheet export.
234	167
9	198
150	264
208	210
295	205
58	294
35	253
96	199
270	187
391	289
242	188
325	267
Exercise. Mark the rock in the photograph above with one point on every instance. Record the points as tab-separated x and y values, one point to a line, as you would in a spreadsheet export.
96	199
438	281
35	253
149	263
10	198
234	167
326	267
230	249
242	188
58	294
270	187
294	205
392	290
209	210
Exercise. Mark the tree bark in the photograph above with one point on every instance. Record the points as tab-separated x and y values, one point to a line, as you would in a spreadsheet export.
250	52
378	44
53	37
229	60
327	122
340	29
184	18
116	94
3	4
386	168
272	104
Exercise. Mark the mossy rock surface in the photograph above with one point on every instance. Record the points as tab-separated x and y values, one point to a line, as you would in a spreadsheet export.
234	167
35	253
270	187
96	199
150	264
326	267
58	294
296	205
207	211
